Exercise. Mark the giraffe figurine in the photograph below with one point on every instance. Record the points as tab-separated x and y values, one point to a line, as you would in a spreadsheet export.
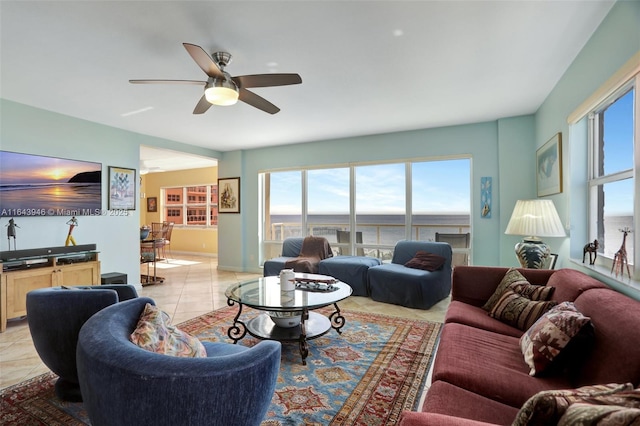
620	258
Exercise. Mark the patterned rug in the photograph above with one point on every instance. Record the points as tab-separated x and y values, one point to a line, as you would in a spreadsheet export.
367	375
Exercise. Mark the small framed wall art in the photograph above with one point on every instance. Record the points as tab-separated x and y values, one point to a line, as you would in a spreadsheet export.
122	188
549	167
152	204
229	195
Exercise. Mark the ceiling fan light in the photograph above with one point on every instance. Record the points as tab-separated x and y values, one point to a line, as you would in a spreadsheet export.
221	92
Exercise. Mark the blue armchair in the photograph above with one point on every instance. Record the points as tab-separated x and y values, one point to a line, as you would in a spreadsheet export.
55	316
123	384
414	288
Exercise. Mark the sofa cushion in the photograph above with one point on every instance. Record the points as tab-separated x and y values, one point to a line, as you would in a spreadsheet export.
549	406
475	316
155	333
570	284
426	261
518	311
413	418
488	364
512	276
445	398
615	318
552	336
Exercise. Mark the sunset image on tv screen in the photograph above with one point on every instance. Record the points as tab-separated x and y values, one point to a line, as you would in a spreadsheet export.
35	185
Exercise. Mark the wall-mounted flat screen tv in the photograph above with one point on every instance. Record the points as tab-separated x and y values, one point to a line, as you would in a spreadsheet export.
35	185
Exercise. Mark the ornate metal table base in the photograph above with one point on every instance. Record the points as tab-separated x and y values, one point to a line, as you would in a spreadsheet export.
312	325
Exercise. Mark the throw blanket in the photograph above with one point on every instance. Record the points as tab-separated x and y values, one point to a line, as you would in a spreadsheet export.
314	249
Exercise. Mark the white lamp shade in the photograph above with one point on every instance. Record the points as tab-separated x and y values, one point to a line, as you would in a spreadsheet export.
535	218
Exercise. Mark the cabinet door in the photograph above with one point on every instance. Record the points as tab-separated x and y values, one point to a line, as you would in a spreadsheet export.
78	274
20	283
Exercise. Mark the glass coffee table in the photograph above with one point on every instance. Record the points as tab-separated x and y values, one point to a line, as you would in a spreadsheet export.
265	294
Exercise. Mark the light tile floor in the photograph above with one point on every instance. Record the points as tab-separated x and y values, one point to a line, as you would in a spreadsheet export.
193	286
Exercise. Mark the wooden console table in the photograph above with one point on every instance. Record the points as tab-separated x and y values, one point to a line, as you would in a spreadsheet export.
26	270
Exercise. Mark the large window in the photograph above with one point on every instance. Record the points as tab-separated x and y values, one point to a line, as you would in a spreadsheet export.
364	209
191	205
613	187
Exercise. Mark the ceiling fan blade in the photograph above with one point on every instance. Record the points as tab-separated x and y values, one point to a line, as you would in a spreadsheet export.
266	80
202	107
203	60
198	82
257	101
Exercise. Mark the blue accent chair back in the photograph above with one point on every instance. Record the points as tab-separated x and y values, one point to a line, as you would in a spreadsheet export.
123	384
291	248
55	316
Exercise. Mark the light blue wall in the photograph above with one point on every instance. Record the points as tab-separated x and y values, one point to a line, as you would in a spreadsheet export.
35	131
479	141
611	46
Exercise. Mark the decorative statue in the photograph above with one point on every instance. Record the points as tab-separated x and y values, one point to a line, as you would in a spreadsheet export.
620	258
592	249
73	222
11	232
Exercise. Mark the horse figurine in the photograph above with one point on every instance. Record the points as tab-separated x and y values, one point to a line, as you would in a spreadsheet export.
592	249
620	258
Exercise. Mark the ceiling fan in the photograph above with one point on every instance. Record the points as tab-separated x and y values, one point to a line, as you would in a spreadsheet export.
222	89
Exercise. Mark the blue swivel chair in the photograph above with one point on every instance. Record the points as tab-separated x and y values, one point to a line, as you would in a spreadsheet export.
55	316
123	384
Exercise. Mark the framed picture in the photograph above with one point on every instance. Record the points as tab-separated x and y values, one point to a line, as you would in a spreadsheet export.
549	166
229	195
550	261
122	188
485	197
152	204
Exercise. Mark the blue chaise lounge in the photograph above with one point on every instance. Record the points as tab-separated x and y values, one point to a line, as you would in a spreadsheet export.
414	288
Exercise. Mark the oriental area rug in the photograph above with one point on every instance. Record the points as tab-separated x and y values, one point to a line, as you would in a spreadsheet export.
367	375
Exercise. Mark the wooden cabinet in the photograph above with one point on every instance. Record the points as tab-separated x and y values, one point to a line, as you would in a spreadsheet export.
81	268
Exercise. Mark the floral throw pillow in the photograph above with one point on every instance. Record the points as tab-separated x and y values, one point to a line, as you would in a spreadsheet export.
155	333
547	407
552	334
599	415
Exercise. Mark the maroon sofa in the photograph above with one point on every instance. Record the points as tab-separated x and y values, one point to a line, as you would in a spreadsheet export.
479	373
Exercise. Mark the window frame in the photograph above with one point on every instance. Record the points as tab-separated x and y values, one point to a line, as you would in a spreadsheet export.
595	179
270	247
185	205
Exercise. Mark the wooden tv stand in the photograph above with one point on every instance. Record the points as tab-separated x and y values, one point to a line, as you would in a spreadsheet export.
26	270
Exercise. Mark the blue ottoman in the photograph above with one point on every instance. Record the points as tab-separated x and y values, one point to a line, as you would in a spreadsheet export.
352	270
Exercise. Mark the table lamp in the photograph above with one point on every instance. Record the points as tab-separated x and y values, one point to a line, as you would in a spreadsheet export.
533	219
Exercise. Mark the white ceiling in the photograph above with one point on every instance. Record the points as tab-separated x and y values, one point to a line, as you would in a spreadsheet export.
155	160
367	66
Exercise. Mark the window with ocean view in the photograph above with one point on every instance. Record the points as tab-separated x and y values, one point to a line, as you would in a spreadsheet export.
376	204
611	182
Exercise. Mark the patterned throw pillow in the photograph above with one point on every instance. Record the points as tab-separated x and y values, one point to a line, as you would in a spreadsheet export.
596	415
545	340
513	276
518	311
547	407
426	261
155	333
533	292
